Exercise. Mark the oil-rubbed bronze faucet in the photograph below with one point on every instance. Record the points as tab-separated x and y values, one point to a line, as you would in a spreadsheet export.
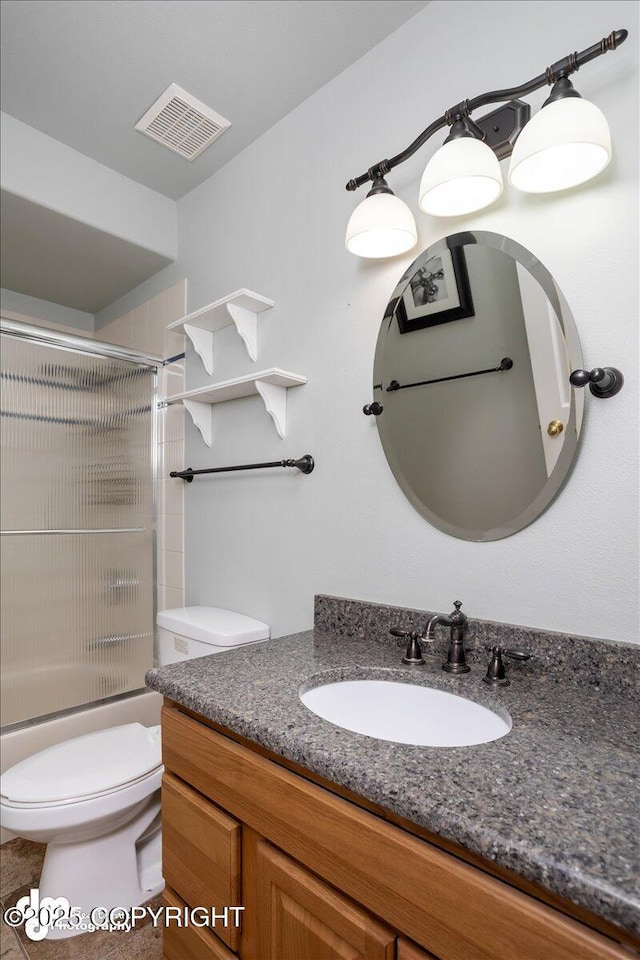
457	620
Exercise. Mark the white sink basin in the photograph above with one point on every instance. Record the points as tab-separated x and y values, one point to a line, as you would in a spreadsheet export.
405	713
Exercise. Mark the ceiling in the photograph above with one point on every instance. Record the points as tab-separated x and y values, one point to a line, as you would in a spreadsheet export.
47	255
85	72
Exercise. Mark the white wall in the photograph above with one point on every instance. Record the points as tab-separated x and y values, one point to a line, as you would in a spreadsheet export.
44	310
49	173
273	220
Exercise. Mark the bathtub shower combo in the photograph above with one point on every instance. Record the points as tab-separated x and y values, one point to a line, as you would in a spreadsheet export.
78	445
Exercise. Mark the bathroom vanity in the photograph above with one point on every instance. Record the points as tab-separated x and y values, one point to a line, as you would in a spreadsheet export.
341	845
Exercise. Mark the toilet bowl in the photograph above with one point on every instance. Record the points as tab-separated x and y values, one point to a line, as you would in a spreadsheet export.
95	800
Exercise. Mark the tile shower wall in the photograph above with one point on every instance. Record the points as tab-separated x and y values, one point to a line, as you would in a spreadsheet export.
145	329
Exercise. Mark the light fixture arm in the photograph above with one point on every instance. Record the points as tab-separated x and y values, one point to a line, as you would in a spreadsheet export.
562	68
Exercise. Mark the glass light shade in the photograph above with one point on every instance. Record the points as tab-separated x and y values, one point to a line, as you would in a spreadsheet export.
565	144
381	226
463	176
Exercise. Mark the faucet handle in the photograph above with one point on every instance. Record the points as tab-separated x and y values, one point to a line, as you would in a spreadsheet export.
495	674
397	632
413	655
414	651
514	654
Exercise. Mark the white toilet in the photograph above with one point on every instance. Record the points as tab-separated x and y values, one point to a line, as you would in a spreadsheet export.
95	800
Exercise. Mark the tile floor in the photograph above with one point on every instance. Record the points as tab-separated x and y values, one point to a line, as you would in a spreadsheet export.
20	864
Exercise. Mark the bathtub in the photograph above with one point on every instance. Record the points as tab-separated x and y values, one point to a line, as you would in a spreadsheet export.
16	745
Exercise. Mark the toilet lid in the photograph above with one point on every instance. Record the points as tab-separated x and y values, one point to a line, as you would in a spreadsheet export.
84	766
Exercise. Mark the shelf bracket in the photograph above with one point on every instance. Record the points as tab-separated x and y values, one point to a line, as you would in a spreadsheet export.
202	341
202	416
275	402
246	323
271	385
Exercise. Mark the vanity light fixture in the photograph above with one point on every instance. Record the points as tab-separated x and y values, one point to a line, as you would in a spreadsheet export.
462	176
382	225
565	144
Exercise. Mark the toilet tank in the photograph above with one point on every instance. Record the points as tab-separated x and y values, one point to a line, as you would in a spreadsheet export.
190	632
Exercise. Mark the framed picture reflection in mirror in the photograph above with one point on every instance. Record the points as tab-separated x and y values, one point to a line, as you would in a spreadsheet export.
437	293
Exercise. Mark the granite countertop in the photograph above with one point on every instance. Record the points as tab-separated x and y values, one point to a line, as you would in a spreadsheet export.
555	801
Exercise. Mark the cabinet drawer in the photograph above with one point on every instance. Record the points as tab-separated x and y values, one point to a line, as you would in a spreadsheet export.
189	943
201	853
442	903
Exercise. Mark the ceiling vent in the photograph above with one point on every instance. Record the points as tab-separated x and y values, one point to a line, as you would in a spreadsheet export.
183	124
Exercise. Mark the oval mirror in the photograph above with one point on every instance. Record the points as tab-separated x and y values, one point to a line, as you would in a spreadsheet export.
480	423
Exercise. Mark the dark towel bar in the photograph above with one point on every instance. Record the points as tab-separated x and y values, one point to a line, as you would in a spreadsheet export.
305	464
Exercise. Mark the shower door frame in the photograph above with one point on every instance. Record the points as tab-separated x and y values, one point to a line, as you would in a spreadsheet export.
83	345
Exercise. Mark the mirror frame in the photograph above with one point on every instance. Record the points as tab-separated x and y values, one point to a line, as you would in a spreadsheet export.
564	464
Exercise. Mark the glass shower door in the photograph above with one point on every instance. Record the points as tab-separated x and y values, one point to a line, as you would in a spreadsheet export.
77	522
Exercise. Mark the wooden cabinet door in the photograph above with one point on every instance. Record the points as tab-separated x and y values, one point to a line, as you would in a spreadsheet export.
409	951
189	943
298	917
201	854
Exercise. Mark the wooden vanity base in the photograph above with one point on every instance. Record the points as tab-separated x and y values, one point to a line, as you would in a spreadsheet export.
322	878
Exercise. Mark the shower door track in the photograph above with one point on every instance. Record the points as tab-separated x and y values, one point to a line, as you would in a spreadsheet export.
26	533
26	331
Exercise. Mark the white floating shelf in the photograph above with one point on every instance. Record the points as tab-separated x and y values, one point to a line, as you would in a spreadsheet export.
271	385
240	308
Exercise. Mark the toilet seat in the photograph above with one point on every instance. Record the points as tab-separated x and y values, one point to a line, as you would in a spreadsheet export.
46	804
85	768
35	820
